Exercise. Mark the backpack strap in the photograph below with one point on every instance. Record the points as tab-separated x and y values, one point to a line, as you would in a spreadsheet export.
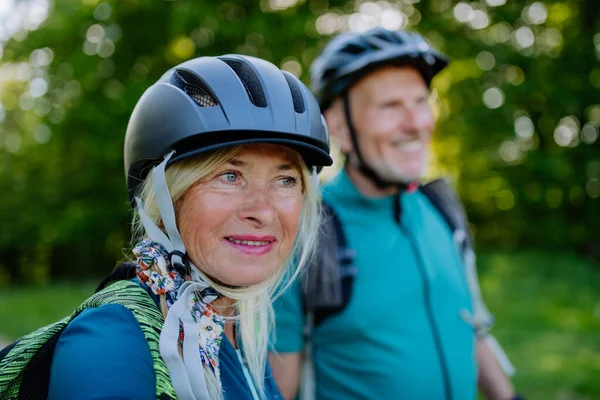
445	200
8	348
36	375
328	281
16	361
326	286
449	206
142	305
25	369
124	272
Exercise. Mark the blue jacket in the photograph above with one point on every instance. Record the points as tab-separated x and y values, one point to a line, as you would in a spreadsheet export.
102	354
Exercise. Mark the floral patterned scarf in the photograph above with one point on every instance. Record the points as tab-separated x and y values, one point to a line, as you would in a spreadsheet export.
168	282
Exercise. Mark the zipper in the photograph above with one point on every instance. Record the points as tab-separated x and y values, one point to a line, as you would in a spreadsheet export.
427	300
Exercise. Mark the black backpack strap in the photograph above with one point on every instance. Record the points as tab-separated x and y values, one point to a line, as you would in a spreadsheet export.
8	348
448	204
445	200
124	272
327	283
36	375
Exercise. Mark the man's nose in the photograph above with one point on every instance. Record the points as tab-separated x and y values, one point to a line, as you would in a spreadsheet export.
416	121
257	207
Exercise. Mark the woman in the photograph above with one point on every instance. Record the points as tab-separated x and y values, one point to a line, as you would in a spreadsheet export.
221	156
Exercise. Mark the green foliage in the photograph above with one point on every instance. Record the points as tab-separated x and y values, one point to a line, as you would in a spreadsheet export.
64	210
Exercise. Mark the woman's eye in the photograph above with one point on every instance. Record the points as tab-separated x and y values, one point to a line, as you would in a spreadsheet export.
229	177
289	181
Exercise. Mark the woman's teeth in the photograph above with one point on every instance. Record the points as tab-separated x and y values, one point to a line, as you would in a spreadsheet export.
249	242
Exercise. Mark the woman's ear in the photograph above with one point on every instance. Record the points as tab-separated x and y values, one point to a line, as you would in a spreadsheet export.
337	126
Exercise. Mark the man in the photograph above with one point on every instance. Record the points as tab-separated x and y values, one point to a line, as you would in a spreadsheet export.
406	330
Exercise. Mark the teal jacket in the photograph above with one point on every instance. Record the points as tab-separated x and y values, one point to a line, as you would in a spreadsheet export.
405	334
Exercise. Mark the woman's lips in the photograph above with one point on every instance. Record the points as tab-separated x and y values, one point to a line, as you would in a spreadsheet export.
251	244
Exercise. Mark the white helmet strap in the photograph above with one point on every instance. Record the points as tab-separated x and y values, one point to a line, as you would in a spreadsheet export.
171	241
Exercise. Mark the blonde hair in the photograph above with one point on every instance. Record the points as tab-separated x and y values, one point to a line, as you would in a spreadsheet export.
253	304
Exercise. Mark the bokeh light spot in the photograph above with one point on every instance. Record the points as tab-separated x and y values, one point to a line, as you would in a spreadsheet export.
495	3
463	12
536	13
183	47
514	75
589	133
479	19
485	60
524	37
102	11
292	65
42	134
592	187
106	48
38	87
524	127
493	98
41	57
566	133
95	33
12	142
393	19
510	152
26	102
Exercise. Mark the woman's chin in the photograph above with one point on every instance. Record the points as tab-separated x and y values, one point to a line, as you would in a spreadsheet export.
244	276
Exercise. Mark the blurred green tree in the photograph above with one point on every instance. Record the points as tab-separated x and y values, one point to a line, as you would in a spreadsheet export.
518	110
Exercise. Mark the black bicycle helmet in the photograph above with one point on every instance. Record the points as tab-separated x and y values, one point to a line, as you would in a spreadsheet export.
209	103
351	55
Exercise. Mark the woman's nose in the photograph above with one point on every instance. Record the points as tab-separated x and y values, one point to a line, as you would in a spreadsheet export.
257	207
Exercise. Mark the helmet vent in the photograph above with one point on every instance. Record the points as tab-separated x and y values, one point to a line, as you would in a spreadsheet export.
296	94
250	81
352	48
194	88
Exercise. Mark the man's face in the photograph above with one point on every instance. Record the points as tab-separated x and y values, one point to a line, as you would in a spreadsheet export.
393	121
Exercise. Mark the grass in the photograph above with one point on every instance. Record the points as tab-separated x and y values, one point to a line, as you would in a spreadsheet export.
547	309
25	309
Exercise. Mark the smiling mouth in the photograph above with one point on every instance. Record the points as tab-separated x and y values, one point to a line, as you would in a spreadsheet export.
252	247
408	146
250	242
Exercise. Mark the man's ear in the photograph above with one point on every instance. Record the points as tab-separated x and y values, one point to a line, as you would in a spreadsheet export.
337	125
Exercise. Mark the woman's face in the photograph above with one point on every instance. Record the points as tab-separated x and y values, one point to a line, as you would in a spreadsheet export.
239	223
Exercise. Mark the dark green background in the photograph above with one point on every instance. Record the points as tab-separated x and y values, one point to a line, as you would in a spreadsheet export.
64	212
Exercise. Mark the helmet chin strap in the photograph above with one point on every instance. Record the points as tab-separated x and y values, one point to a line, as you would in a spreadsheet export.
363	167
314	178
187	377
172	240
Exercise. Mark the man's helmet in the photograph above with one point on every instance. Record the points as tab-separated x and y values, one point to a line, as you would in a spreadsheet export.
213	102
350	56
